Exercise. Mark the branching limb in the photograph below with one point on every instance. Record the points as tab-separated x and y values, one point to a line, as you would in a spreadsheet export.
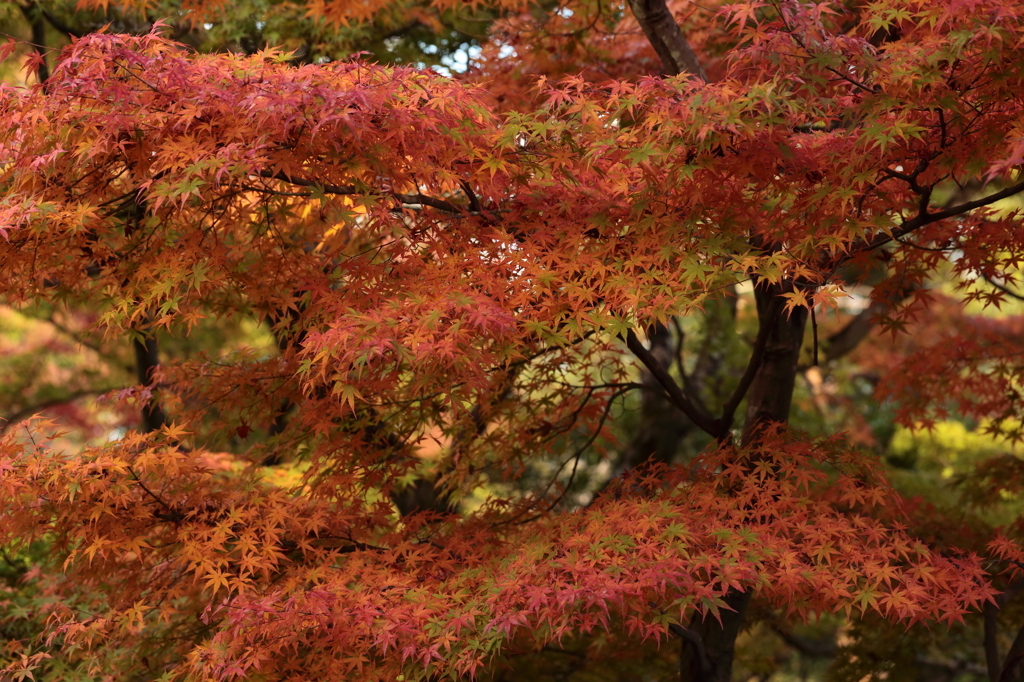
349	190
668	41
756	358
990	613
1013	658
474	203
846	340
693	639
676	394
924	217
35	20
424	494
689	385
26	412
170	513
60	25
1004	289
77	337
686	399
811	648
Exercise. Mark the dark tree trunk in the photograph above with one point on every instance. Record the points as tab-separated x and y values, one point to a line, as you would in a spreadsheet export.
771	395
768	401
147	359
34	16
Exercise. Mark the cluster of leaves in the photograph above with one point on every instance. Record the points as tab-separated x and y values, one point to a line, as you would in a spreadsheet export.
268	574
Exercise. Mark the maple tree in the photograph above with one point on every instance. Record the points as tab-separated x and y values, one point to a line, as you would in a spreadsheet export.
461	280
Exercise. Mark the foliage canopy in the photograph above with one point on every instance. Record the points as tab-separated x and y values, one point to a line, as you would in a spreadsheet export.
461	280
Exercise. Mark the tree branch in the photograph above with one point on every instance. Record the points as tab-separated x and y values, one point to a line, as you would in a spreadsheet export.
60	25
666	38
690	637
676	394
35	20
348	190
1013	658
1004	289
827	649
924	218
847	339
812	648
30	410
756	358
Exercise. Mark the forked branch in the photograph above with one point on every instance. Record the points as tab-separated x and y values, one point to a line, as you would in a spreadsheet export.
349	190
717	427
675	394
924	217
756	358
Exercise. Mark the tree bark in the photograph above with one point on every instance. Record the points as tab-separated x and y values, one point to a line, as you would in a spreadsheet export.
147	359
719	640
771	394
666	38
991	643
